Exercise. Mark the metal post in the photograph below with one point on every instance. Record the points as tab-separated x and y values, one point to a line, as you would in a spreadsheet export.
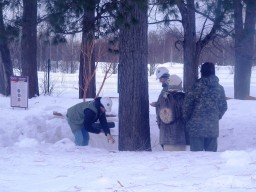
48	75
118	78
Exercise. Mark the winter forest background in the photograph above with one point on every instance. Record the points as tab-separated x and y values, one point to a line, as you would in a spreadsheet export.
70	35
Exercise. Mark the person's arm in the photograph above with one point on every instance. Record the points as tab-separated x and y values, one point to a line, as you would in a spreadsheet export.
89	116
104	124
223	106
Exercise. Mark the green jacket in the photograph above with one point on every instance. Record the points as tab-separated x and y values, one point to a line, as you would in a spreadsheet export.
75	114
204	106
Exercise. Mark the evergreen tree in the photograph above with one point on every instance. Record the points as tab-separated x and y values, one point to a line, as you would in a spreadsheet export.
216	15
29	45
134	131
244	46
6	69
93	19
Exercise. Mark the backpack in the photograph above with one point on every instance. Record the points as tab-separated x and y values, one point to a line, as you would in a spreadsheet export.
170	108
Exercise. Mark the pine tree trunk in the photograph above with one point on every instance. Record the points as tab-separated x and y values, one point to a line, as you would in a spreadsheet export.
134	130
244	47
87	56
29	45
190	70
6	70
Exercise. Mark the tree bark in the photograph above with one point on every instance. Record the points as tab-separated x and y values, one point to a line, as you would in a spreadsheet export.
190	69
87	55
6	70
134	130
244	47
29	45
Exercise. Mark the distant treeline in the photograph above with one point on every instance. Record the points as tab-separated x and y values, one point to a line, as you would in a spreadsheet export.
163	46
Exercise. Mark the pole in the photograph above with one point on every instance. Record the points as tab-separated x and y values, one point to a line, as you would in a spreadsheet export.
48	75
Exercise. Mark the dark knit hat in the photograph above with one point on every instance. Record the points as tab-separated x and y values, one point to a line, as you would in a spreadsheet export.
207	69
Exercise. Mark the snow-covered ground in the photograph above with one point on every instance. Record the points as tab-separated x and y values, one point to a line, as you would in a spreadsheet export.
38	153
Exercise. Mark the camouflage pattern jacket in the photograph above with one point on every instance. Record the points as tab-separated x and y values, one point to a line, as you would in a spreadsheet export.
204	106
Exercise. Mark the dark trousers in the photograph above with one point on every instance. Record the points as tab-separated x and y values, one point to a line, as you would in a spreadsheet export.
203	144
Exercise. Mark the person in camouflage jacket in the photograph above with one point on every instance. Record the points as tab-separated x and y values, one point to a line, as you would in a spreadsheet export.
203	107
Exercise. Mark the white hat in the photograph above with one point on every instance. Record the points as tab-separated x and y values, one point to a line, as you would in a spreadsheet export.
161	71
107	103
174	80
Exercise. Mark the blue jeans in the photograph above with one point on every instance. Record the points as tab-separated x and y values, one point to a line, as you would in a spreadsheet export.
81	137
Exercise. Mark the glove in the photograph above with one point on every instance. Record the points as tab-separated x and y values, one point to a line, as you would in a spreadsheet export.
153	104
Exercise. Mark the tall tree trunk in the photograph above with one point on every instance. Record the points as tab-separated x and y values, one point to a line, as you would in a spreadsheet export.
87	56
6	69
244	47
29	45
190	69
134	131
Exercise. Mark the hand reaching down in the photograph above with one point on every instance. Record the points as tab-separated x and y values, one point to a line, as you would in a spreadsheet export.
110	138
